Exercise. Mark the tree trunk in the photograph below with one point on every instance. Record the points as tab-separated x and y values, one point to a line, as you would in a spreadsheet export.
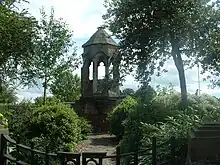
180	68
45	89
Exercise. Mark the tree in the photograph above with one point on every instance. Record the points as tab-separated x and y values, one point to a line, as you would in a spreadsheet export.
17	30
128	91
66	86
52	50
8	94
153	31
210	52
145	94
39	101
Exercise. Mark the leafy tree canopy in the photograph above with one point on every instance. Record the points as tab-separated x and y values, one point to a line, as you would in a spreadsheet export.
53	51
66	86
8	94
128	91
17	30
151	32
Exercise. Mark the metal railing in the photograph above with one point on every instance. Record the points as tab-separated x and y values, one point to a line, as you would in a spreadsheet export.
24	155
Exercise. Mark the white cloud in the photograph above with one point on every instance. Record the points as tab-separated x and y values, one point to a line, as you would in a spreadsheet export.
84	17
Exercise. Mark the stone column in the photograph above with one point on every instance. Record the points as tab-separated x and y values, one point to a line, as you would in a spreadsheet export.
85	79
116	76
95	75
106	70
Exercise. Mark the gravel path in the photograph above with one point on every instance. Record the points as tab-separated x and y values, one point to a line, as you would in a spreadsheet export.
99	143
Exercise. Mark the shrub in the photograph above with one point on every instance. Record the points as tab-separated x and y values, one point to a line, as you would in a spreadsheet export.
164	117
56	127
151	109
119	114
39	101
201	108
3	121
85	127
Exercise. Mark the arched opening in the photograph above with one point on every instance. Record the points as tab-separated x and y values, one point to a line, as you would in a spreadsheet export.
101	71
91	71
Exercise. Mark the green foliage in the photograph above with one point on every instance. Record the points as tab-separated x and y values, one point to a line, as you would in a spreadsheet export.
150	32
66	86
145	94
164	118
128	91
3	121
56	127
119	114
85	127
17	31
53	51
7	94
39	101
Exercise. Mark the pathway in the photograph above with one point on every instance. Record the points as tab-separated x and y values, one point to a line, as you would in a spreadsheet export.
99	143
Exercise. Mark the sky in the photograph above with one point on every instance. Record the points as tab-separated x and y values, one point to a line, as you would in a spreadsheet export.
84	17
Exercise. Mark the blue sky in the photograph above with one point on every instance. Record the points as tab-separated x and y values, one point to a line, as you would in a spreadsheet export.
84	17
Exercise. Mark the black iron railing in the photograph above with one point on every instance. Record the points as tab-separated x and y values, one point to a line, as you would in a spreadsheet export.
24	155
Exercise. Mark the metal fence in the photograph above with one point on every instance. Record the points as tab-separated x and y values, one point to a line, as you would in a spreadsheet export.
13	153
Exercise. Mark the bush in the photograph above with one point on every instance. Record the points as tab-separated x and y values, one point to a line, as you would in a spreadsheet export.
164	117
85	127
151	109
119	114
56	127
201	108
39	101
3	121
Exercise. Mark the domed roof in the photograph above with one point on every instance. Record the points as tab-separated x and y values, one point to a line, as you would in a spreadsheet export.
100	37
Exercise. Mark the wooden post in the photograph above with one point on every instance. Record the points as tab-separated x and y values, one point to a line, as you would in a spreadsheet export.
3	149
118	152
173	150
154	151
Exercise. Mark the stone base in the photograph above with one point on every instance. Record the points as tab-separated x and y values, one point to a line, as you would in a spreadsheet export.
96	110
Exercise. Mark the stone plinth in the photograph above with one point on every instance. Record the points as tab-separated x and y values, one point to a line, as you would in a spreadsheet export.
96	110
204	142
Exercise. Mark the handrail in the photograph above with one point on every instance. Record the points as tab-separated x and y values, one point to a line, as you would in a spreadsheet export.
10	140
118	155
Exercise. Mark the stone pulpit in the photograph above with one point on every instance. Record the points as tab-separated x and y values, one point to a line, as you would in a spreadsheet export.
99	96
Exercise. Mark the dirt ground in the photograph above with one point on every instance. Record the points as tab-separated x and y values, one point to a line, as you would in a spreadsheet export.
99	143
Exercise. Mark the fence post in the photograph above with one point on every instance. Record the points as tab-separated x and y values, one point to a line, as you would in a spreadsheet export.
17	149
136	158
118	152
173	150
47	161
3	149
32	153
154	151
61	158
